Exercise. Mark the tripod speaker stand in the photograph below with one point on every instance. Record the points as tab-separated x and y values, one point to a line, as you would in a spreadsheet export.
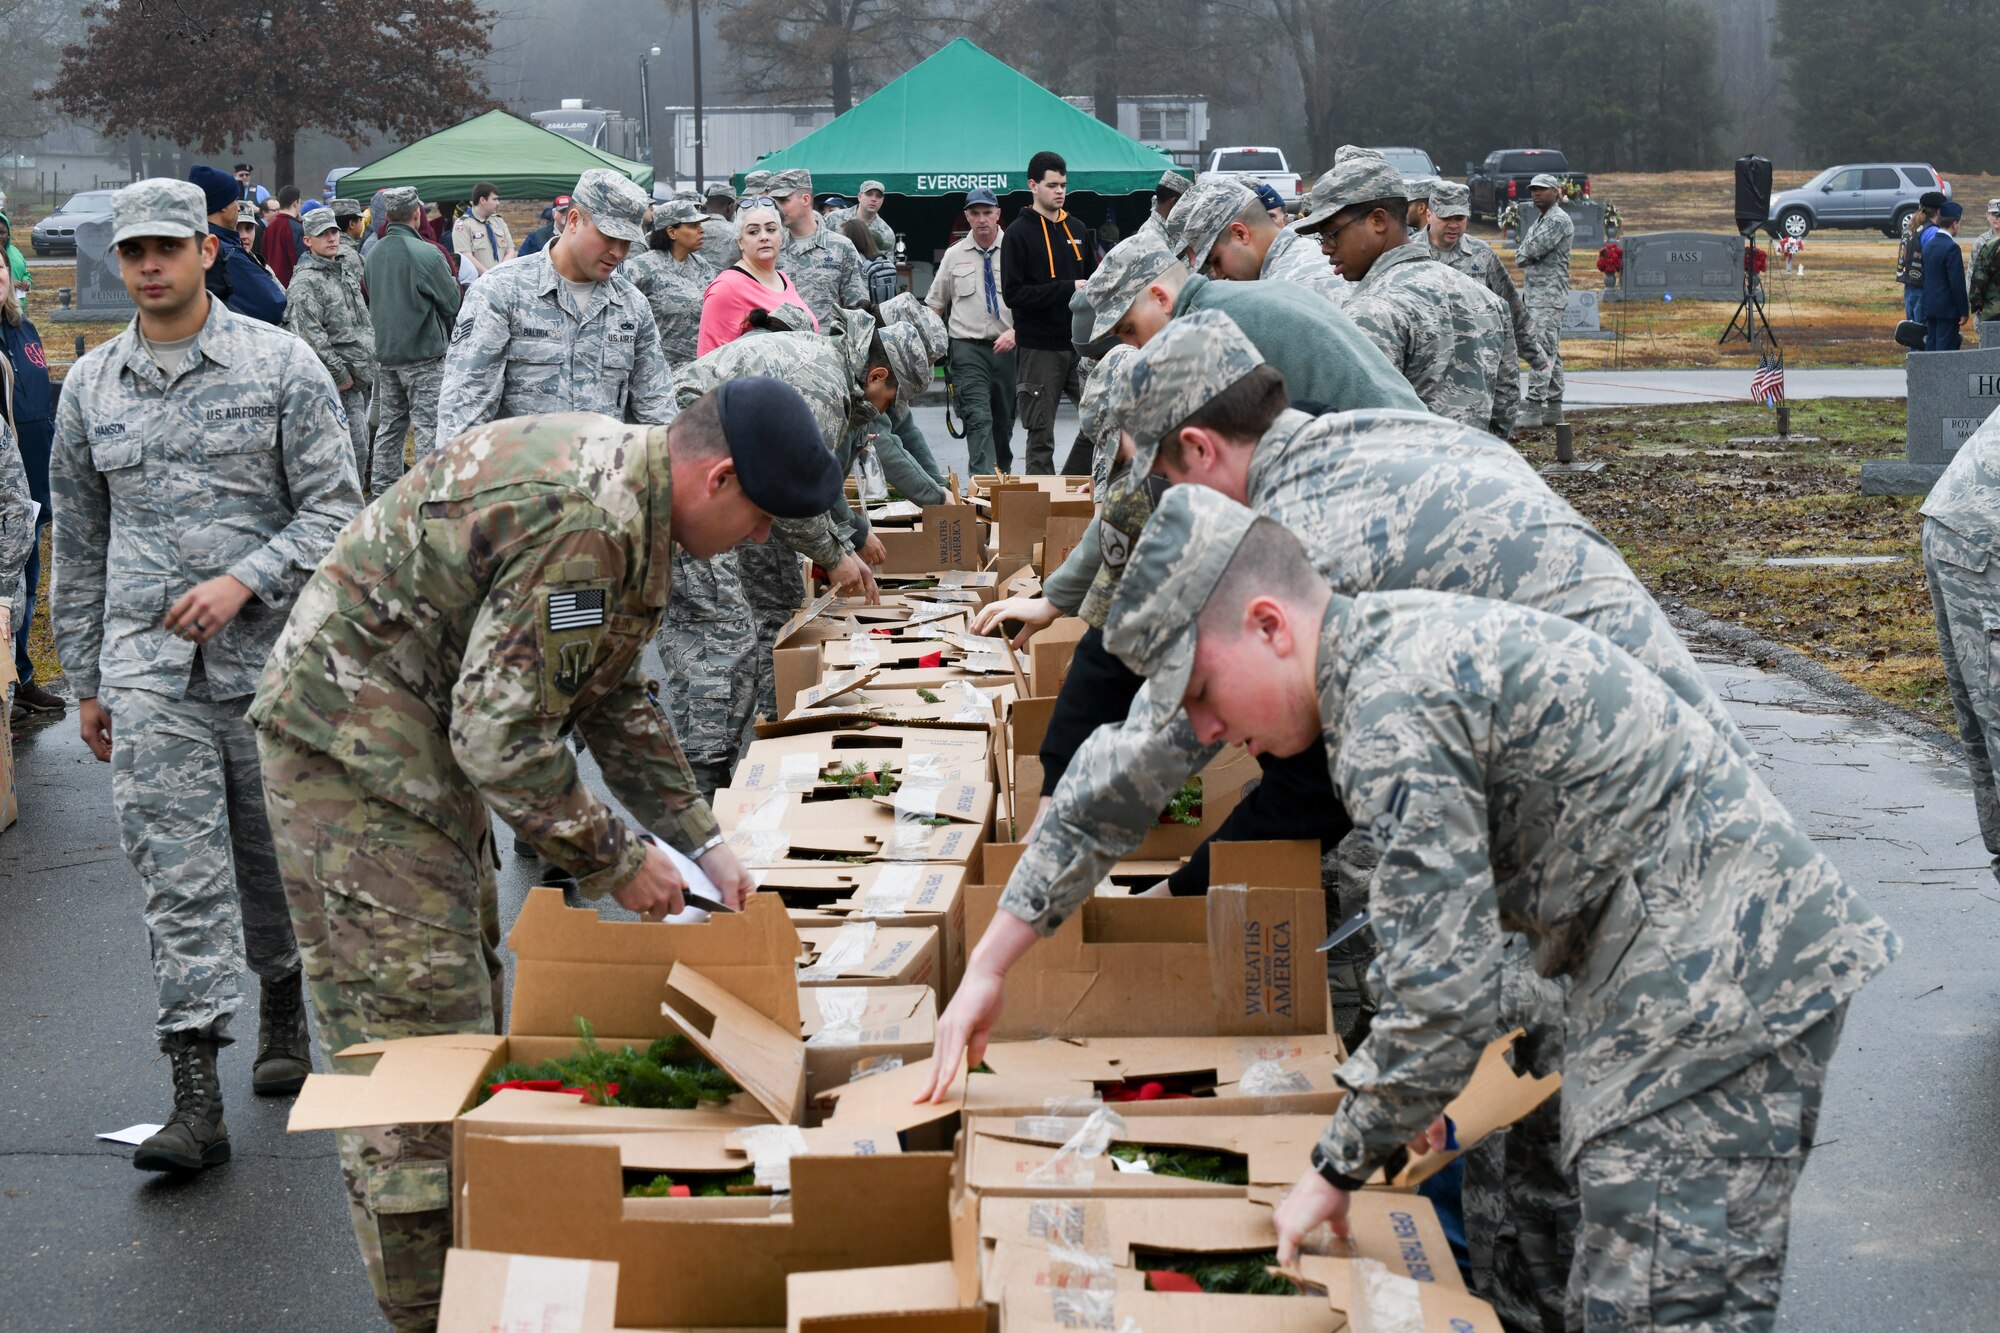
1750	310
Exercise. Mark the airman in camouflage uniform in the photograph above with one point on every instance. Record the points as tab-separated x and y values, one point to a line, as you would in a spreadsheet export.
1173	188
1543	253
495	600
879	231
1229	234
722	622
1449	336
192	503
1711	947
1961	543
674	288
324	306
718	232
822	264
524	344
1475	259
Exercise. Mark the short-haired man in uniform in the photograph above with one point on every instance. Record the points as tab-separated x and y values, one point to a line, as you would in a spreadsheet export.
867	210
562	331
967	296
718	226
1543	253
822	264
324	307
1451	338
1172	187
1517	770
413	297
1445	234
1228	234
499	598
201	471
236	278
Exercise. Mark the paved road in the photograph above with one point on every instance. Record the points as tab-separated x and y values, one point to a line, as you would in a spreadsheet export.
1647	388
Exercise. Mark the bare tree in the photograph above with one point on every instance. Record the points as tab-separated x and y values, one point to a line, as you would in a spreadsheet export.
804	49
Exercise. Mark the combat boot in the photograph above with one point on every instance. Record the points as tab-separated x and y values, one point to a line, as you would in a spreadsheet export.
284	1056
194	1137
1552	412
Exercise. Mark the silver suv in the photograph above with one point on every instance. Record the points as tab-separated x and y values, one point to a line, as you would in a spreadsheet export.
1868	195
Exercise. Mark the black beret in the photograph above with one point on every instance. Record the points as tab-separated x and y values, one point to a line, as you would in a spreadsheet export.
781	458
1931	199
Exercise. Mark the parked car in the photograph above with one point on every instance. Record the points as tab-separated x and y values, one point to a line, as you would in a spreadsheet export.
1256	163
1503	177
1414	163
1865	195
56	233
332	188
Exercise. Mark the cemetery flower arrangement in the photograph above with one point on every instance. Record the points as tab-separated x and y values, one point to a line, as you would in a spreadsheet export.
1614	222
1755	260
1611	259
1791	247
670	1074
1510	217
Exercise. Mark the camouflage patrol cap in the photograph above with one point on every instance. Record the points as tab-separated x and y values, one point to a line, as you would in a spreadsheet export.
614	205
1424	188
398	201
720	190
1358	177
1125	272
158	207
1449	199
790	182
1128	503
1174	376
246	211
1173	180
319	220
678	213
1545	181
1097	410
789	317
756	182
348	208
1175	225
914	337
1211	208
1182	554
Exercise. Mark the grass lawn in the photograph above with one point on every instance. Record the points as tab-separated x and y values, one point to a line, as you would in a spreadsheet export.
1696	517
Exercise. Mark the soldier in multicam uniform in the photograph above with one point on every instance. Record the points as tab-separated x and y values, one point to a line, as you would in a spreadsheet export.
1961	545
722	623
1229	234
1449	336
868	212
1450	209
495	600
1384	499
561	330
822	264
1982	283
324	306
413	299
201	470
672	277
1711	946
1543	253
718	226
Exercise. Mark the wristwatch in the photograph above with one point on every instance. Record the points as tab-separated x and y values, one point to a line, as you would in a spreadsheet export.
1331	1174
714	842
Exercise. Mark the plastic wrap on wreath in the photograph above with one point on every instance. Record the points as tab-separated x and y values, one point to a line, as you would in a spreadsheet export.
861	650
1385	1302
969	702
847	949
892	890
868	472
1268	1078
1074	1165
760	847
840	1010
771	1149
798	772
870	1065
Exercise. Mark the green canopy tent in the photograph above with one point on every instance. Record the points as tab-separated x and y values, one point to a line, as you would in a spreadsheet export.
962	120
518	156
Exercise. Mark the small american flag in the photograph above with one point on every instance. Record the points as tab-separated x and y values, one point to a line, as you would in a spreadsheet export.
1767	384
576	610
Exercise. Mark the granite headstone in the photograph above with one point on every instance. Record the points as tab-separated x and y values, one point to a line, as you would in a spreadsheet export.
1582	318
1989	333
1586	215
1950	396
100	292
1691	265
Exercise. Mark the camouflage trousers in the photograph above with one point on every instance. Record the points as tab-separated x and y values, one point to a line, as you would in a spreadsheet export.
190	807
708	645
399	928
1686	1213
1545	385
1521	1208
354	402
408	405
775	586
1965	599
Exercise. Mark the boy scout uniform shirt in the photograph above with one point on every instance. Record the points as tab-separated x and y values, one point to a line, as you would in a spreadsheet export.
1380	499
958	293
498	596
238	463
521	347
1517	771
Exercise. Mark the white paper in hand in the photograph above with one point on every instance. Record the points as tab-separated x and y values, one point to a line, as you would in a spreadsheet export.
697	881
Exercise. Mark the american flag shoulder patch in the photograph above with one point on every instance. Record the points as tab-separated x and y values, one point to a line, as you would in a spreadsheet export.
576	608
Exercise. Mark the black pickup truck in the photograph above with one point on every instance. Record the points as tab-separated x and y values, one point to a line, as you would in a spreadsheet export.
1503	178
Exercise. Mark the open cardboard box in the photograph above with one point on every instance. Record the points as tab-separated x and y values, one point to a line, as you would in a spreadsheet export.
485	1292
806	753
963	803
951	536
908	705
1050	653
867	953
1025	1155
904	894
760	848
938	1297
708	1263
1131	967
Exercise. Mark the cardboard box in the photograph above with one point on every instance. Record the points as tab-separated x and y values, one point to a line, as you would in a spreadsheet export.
1442	1309
1043	1311
908	705
1049	654
708	1263
1132	967
757	848
485	1292
1399	1231
951	536
866	953
905	1298
805	753
1068	521
906	894
967	803
1025	1155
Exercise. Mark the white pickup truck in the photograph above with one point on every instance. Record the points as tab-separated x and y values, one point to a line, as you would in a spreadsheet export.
1254	164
